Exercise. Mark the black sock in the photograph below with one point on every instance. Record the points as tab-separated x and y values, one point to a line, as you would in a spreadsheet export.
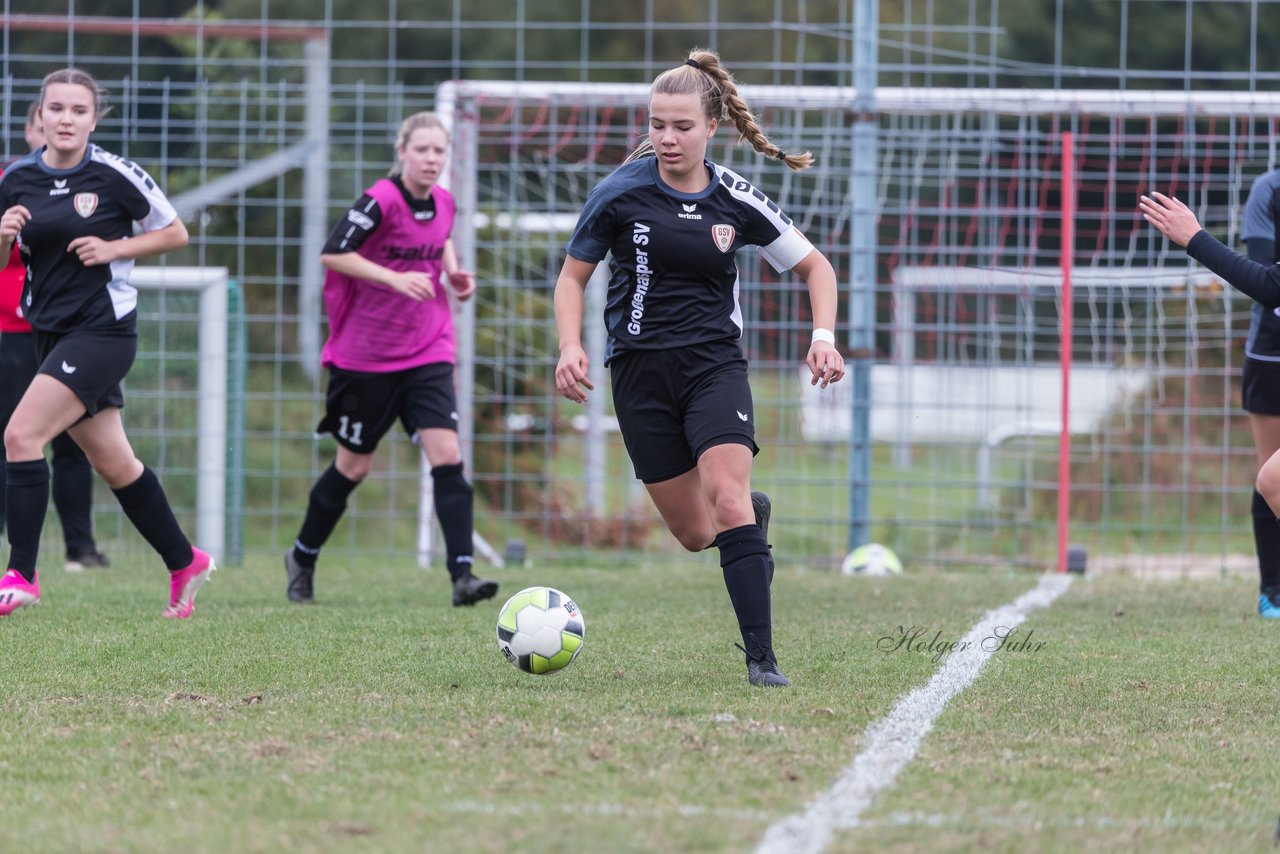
327	504
455	503
744	560
1266	538
73	495
27	485
144	502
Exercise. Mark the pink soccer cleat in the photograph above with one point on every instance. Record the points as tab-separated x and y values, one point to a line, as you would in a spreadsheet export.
186	583
16	592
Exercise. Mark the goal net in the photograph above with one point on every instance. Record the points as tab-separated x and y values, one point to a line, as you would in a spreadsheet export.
967	317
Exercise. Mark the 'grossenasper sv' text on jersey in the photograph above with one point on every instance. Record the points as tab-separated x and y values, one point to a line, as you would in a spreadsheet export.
373	327
673	278
1261	221
102	196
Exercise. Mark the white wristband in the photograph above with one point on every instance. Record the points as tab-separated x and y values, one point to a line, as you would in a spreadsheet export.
824	335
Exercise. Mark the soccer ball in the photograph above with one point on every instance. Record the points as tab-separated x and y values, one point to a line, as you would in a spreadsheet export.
540	630
871	559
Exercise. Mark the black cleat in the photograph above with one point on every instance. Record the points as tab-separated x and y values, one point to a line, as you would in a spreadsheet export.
91	559
468	590
762	668
763	508
299	579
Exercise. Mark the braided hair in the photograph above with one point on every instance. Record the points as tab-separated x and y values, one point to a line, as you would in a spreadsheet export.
703	75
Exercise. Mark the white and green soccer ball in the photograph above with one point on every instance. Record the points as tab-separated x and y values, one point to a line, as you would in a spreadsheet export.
540	630
871	559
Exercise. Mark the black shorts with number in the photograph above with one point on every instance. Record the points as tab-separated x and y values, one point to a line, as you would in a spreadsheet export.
360	407
1261	387
91	364
672	405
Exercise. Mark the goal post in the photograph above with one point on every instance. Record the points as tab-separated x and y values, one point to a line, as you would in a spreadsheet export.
219	369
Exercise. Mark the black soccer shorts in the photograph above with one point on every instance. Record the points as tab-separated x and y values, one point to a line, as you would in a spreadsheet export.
91	364
360	407
672	405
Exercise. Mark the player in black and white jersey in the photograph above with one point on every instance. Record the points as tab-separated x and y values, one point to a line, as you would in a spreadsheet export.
671	222
1258	276
72	208
72	479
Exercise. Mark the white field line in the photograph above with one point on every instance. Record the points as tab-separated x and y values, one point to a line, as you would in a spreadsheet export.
892	742
581	810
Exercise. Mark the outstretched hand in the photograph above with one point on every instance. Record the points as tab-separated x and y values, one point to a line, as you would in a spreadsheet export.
1170	216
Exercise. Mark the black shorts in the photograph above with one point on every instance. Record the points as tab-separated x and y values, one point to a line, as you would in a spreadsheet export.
1260	390
672	405
360	407
17	369
91	364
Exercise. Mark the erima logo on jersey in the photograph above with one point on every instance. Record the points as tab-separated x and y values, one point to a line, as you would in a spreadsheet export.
689	212
743	416
359	220
59	188
68	369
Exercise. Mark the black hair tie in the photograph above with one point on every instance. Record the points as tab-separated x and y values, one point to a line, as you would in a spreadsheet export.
694	63
781	155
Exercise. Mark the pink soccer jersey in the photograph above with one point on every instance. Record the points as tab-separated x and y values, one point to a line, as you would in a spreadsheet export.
374	328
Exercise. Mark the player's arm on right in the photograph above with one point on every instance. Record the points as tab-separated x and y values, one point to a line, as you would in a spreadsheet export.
340	255
571	370
1176	221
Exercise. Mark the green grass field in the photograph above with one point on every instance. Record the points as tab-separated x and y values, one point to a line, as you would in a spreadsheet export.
382	719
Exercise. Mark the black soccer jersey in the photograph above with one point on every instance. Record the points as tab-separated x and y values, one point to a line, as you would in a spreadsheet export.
1261	222
673	279
102	196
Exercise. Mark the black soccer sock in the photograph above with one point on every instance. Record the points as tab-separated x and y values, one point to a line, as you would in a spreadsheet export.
28	499
1266	538
144	502
73	495
327	504
455	508
744	560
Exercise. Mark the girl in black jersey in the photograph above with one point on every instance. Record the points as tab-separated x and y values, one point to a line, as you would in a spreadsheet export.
672	221
72	207
1261	282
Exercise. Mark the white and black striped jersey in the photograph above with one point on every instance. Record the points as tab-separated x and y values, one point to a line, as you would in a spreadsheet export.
1262	229
102	196
673	278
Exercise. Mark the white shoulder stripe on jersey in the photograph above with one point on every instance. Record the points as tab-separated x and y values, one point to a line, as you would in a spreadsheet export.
742	190
791	247
162	212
